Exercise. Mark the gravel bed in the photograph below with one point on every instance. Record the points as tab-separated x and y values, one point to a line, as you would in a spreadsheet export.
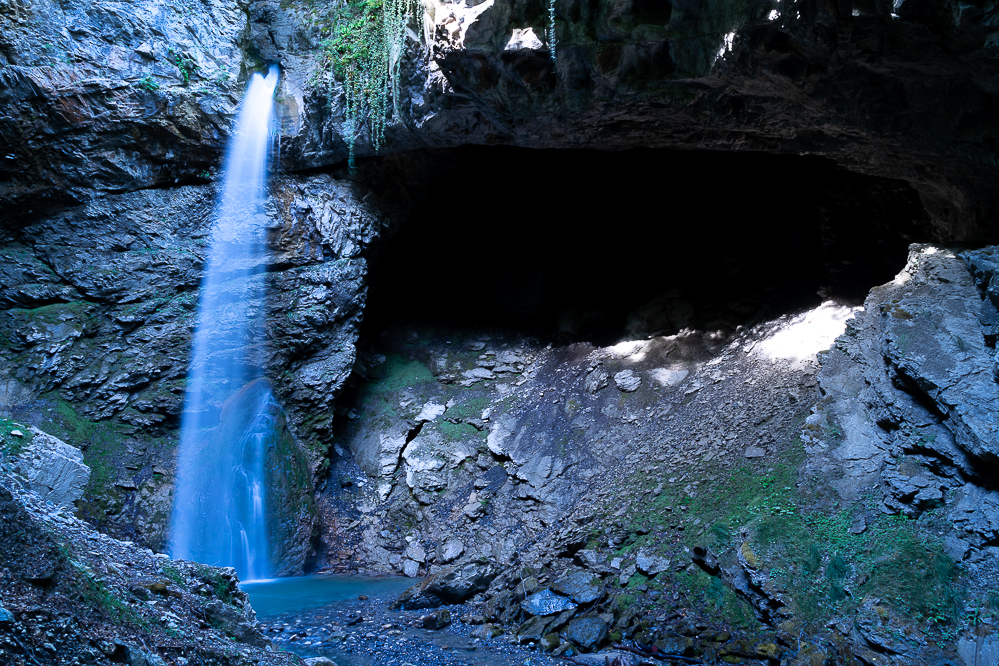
366	633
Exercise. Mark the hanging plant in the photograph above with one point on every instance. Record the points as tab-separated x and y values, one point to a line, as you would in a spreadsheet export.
363	50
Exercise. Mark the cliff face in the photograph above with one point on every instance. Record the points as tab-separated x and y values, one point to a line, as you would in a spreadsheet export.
99	306
125	97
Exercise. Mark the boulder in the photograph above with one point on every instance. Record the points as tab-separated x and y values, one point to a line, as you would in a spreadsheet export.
416	552
608	658
450	551
487	631
54	469
649	564
627	381
437	620
586	632
580	586
235	623
453	585
546	602
320	661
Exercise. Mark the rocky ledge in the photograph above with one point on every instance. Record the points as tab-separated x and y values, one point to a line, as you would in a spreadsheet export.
71	595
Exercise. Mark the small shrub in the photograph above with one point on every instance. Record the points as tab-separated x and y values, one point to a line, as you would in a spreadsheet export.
184	64
147	82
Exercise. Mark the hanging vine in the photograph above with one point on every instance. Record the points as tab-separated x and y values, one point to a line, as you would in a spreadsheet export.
552	39
363	48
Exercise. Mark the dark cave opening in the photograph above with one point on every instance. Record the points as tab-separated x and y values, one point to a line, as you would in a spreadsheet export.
597	246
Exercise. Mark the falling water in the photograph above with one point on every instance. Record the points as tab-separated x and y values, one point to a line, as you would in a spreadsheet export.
220	502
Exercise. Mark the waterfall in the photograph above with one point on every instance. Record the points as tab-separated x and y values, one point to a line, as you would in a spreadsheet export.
220	498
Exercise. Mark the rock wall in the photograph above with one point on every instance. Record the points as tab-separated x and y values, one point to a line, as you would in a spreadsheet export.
97	328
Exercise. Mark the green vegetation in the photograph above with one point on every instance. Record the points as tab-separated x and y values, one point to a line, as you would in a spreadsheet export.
184	64
171	572
459	432
98	596
818	558
147	82
221	587
93	592
364	46
12	445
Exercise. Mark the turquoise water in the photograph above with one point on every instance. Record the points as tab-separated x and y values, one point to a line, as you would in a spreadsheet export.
294	595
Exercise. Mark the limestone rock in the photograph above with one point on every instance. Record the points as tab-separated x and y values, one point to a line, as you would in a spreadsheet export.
55	469
415	552
650	564
546	602
586	632
580	586
450	551
596	380
627	381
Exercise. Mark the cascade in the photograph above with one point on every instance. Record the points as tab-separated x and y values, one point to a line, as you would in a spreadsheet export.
220	502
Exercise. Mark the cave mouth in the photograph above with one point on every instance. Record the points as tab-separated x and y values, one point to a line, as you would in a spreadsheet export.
572	245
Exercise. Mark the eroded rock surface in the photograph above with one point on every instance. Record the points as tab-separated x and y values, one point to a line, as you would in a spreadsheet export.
96	332
73	595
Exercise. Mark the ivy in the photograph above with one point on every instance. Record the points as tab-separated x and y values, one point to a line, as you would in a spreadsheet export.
363	49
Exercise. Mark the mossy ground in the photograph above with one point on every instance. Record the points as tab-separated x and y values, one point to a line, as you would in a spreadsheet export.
12	445
816	556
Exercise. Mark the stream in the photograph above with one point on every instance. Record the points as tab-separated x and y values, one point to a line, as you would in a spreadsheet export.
322	615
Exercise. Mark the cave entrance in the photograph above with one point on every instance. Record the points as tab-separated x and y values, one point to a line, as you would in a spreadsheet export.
497	306
599	246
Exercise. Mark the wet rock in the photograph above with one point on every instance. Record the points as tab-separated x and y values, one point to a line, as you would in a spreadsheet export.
546	602
580	586
586	632
608	658
533	629
487	631
6	615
